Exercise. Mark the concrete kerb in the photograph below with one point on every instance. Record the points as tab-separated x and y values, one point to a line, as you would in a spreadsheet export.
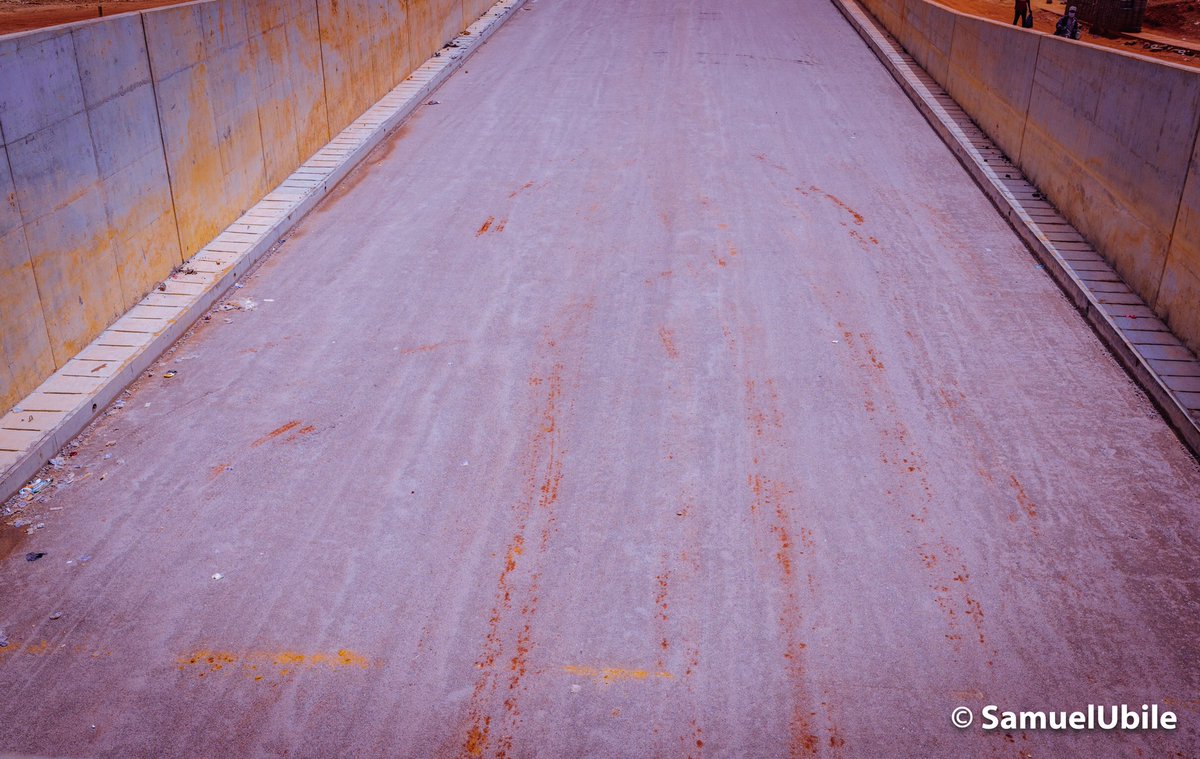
1005	202
426	78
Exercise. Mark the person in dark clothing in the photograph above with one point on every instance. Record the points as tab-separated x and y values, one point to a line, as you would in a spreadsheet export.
1068	25
1023	14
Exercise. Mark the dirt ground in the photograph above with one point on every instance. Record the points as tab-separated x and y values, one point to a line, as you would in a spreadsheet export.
21	15
1179	19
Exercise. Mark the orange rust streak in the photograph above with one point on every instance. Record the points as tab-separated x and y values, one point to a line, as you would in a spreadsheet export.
486	226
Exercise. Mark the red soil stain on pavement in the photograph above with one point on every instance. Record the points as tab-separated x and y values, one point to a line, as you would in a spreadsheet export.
773	499
858	218
771	504
865	241
487	224
521	189
276	433
951	577
1026	503
430	347
662	587
668	341
508	642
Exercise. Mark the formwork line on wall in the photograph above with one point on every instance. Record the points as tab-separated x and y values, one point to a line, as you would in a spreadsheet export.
1189	179
162	140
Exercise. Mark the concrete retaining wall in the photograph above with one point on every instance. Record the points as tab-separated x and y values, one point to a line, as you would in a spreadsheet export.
127	143
1109	138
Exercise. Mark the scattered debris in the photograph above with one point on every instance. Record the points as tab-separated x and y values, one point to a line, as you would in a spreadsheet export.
169	374
433	102
243	304
218	576
85	558
56	615
34	488
34	555
3	639
162	287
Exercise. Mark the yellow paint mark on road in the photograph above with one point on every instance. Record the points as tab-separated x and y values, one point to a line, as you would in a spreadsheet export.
610	675
43	648
254	663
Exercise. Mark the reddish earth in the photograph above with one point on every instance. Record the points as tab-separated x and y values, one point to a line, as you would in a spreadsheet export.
21	15
1180	20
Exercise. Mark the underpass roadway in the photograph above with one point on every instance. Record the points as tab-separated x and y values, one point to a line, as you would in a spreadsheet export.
666	387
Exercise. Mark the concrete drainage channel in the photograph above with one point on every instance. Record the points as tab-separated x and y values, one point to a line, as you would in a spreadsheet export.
66	403
1153	356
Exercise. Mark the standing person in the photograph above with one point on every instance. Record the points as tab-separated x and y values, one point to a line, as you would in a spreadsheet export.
1023	14
1068	25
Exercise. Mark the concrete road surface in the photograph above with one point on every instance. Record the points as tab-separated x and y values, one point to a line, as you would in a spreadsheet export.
667	389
